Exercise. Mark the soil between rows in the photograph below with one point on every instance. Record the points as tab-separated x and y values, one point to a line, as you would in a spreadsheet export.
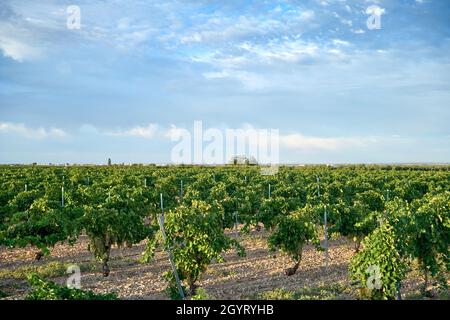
237	278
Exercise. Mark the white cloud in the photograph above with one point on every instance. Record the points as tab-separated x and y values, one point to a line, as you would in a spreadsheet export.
297	141
174	132
18	42
358	31
213	28
216	75
221	29
123	23
34	31
307	15
288	51
344	21
27	33
147	132
195	37
219	59
250	80
31	133
17	50
249	62
278	9
339	42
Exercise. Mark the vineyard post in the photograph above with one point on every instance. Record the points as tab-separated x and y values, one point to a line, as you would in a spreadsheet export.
318	188
380	221
26	188
269	190
181	190
325	218
169	252
145	182
62	196
399	293
235	214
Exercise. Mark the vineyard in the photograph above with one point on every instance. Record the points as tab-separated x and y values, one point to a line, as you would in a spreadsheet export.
173	232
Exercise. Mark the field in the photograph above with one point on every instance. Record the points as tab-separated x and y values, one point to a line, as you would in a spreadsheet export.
233	233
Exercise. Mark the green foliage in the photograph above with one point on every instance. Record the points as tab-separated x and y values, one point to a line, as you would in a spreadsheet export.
423	232
379	267
271	209
117	205
106	227
47	290
149	252
41	225
172	287
118	221
293	232
201	294
196	236
429	234
359	220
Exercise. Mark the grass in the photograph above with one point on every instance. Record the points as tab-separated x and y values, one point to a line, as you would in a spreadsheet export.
325	292
201	294
2	294
222	273
437	294
51	269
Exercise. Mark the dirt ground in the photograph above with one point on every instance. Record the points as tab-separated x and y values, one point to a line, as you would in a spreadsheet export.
236	278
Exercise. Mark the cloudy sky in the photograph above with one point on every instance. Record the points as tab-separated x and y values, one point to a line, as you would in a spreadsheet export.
337	91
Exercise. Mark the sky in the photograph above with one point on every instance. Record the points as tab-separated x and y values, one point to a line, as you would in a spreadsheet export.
137	71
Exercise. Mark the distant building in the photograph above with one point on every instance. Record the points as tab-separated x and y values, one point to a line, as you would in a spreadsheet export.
109	161
242	160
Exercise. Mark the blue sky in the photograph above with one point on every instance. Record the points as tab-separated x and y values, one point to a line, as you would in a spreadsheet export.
135	70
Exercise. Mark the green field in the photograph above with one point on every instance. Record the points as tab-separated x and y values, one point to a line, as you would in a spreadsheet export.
381	230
